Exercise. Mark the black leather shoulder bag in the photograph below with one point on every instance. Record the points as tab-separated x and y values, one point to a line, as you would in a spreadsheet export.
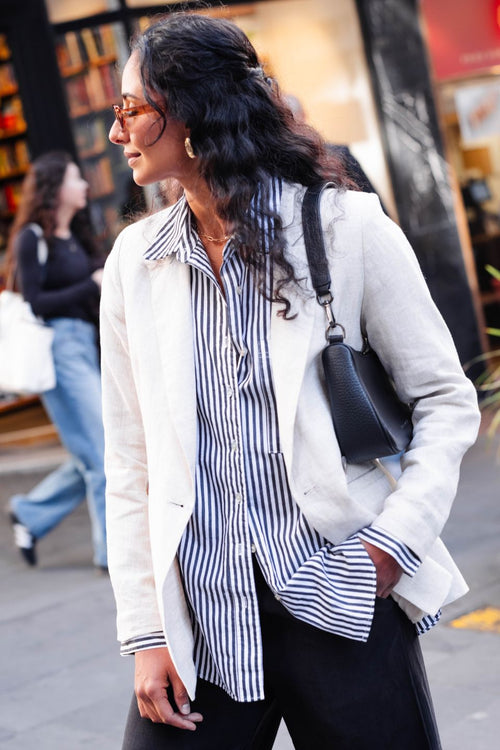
369	419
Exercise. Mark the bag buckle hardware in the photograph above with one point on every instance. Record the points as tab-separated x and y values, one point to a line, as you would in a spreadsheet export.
325	300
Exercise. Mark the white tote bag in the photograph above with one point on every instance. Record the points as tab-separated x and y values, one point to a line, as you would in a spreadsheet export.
26	362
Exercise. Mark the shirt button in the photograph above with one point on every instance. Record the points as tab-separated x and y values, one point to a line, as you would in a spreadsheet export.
229	391
239	290
253	549
278	597
238	497
234	445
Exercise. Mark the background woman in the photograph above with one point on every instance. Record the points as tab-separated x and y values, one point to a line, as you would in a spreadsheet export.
255	573
64	291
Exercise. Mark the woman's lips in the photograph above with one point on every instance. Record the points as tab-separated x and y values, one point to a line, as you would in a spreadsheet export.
131	158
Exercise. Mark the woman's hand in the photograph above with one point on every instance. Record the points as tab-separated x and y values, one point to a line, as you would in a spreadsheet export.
154	672
388	570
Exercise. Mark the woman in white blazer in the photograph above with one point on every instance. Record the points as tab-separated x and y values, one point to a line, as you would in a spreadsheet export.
257	576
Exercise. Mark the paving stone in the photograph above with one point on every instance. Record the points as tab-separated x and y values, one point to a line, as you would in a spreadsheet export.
63	685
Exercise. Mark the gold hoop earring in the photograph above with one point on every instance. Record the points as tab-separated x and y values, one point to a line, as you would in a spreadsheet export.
189	148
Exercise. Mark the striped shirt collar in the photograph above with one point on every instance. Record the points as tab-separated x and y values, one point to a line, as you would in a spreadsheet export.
177	236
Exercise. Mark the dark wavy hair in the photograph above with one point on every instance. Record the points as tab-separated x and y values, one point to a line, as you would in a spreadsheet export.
40	200
205	73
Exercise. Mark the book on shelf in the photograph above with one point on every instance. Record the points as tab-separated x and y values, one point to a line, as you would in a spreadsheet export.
12	116
22	154
4	47
95	88
12	192
108	40
74	50
91	48
13	158
90	136
8	81
110	82
77	95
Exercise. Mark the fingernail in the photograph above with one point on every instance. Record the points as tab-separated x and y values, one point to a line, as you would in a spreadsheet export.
185	708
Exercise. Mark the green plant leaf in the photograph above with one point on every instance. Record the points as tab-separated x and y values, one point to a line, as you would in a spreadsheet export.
493	271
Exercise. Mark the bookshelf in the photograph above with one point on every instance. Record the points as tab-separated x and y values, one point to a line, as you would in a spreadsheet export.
14	152
89	60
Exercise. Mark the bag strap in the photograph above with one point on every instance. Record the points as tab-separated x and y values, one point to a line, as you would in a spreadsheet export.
316	255
42	250
313	238
42	254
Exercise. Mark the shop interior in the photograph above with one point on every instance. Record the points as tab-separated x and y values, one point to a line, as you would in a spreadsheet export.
471	124
330	78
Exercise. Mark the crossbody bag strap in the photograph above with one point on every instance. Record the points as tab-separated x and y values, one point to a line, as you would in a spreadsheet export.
316	254
42	251
42	254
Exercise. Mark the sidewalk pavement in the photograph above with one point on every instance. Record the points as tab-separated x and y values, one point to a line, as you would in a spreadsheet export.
63	685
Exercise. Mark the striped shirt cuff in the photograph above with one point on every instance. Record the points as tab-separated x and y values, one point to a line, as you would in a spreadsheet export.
142	643
427	622
399	551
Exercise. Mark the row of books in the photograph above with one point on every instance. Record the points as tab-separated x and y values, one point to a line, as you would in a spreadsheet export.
10	196
8	82
100	178
95	88
11	116
76	48
14	158
4	47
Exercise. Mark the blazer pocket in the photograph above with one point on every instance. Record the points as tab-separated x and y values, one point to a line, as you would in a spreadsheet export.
368	486
355	472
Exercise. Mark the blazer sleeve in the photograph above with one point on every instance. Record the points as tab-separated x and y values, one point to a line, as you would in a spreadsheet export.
129	553
407	331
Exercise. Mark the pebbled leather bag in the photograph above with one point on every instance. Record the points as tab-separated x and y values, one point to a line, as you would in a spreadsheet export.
369	419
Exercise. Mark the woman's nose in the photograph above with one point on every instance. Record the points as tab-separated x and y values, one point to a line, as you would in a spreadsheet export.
116	133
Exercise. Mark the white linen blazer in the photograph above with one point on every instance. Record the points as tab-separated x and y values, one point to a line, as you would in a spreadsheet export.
149	404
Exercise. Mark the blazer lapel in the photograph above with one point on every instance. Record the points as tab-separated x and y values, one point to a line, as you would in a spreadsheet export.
289	346
171	301
290	339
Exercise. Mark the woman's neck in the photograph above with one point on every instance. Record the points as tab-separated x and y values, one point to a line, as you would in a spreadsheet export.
64	217
212	230
204	208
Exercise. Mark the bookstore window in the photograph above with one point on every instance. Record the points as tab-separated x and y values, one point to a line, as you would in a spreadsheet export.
14	153
464	52
330	79
90	60
330	76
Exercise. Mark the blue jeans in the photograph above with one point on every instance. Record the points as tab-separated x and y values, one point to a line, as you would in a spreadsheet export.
74	406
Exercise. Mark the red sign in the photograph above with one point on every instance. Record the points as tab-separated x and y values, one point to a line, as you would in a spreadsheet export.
463	35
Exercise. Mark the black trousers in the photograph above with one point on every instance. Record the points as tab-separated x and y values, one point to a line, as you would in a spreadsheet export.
333	693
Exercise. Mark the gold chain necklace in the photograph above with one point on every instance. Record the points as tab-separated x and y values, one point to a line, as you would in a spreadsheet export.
218	240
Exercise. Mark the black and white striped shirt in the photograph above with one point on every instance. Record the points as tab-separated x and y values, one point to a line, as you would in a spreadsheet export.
243	503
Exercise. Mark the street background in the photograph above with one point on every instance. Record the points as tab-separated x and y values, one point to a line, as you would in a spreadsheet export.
63	685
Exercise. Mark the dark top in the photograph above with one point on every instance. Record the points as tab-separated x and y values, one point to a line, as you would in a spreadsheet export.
62	287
